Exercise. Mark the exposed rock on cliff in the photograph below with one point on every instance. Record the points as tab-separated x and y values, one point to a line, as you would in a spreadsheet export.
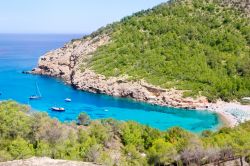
63	62
243	5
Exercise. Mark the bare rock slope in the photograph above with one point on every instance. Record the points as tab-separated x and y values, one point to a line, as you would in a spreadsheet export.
44	161
63	62
243	5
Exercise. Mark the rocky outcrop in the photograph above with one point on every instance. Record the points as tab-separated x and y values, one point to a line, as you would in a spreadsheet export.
63	62
139	90
242	5
69	64
44	161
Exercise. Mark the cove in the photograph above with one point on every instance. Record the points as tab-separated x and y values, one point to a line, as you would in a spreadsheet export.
21	52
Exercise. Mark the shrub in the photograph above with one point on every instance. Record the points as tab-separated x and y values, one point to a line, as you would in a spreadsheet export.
162	153
83	119
20	149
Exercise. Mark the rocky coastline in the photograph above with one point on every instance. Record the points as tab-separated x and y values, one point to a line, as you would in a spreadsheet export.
69	63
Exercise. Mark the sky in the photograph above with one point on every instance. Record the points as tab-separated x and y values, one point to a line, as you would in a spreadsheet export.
65	16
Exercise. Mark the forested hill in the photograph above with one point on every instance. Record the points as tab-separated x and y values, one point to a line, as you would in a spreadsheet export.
197	45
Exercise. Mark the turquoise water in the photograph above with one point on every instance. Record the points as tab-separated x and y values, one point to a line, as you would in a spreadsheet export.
21	52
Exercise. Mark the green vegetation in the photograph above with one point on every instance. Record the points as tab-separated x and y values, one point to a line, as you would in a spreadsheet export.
83	119
194	45
24	134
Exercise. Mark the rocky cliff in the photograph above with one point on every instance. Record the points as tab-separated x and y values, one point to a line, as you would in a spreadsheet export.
66	61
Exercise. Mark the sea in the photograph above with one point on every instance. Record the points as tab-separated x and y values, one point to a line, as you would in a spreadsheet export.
20	52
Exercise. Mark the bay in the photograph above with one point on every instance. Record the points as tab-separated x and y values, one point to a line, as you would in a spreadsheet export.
19	52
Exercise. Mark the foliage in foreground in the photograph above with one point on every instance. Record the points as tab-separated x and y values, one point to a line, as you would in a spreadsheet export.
194	45
25	134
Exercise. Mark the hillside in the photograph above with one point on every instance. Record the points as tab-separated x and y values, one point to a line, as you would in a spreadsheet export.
183	48
26	133
190	45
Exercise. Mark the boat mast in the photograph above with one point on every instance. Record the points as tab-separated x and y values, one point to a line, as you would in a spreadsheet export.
38	91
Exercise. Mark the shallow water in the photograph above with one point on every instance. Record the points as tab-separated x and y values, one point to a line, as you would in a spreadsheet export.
21	52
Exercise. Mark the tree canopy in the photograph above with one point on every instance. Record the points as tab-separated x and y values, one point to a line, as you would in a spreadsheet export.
111	142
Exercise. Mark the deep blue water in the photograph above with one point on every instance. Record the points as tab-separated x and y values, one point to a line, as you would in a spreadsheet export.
21	52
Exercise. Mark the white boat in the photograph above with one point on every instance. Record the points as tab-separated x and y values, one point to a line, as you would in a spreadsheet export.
68	100
34	97
58	109
38	94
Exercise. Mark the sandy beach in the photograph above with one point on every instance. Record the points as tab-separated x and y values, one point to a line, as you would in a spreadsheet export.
232	113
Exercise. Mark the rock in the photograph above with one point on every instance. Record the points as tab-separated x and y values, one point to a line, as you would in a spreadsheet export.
63	61
44	161
242	5
26	72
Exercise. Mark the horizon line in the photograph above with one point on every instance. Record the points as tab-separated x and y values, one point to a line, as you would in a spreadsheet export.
42	33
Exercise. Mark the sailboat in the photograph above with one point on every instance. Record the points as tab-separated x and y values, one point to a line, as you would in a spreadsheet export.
38	94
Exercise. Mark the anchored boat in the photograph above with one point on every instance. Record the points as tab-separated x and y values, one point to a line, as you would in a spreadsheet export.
58	109
68	100
38	94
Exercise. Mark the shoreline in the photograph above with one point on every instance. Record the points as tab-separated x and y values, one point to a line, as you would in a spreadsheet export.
225	122
230	113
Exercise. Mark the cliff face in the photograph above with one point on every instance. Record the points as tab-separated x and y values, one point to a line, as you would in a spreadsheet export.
65	61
